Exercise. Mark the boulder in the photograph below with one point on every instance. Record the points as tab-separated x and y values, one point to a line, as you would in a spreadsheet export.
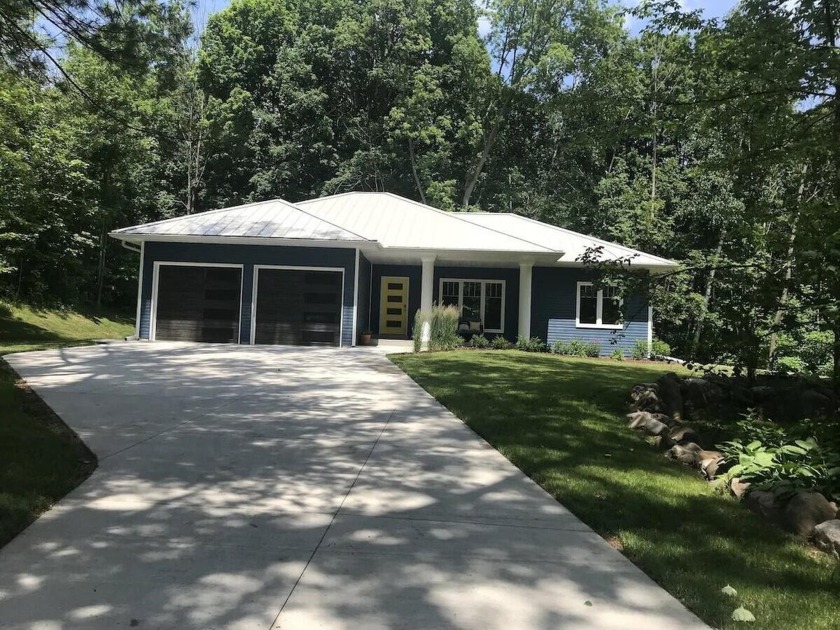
760	393
647	423
682	434
670	395
699	393
685	454
739	488
648	400
764	503
714	466
827	537
813	404
806	510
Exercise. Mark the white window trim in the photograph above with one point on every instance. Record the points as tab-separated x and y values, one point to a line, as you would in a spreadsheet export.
255	286
168	263
599	310
483	282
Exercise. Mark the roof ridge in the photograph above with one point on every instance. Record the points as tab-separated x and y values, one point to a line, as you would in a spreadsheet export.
438	211
343	229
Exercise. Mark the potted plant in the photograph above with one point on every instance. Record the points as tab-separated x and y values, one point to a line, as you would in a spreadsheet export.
365	337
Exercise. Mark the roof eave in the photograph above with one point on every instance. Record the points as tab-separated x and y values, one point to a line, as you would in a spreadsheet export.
238	240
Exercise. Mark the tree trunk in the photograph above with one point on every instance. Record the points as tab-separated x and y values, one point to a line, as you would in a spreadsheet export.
475	173
101	271
783	298
414	170
707	295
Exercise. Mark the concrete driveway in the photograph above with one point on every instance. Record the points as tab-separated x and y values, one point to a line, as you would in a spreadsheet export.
273	487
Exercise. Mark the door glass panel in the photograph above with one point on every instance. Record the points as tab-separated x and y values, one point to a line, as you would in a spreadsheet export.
395	286
394	298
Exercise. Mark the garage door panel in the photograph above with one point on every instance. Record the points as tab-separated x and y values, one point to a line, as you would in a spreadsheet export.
198	303
298	307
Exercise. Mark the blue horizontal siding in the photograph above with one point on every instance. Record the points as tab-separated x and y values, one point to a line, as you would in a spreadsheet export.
249	256
554	306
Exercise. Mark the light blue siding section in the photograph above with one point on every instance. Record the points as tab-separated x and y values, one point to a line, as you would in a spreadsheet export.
249	256
554	305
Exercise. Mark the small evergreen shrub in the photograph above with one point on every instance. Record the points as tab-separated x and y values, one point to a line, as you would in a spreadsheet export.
641	350
480	341
500	343
534	344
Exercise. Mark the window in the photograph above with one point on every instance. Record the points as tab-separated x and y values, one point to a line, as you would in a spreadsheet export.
598	308
476	299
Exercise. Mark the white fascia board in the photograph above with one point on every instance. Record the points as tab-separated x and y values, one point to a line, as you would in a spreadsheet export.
237	240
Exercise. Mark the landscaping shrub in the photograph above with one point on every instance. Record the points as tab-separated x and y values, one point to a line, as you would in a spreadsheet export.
641	349
784	460
660	349
617	355
784	469
416	336
592	349
500	343
480	341
443	328
560	347
534	344
576	348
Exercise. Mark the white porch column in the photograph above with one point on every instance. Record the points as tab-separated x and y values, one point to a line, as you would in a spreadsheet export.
427	289
525	269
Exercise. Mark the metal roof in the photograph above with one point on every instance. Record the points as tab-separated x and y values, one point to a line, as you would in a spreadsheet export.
266	219
573	244
397	222
385	222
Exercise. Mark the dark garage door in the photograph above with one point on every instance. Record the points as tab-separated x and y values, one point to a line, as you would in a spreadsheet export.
198	304
298	307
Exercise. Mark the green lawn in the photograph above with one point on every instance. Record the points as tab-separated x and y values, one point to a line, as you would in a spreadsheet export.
560	420
41	460
24	328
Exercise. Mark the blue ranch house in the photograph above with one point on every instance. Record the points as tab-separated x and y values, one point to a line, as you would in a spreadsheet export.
323	271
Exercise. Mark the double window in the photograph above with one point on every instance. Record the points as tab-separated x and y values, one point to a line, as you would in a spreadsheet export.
598	308
476	300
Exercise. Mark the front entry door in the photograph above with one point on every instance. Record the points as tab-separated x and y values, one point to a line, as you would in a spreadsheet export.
393	312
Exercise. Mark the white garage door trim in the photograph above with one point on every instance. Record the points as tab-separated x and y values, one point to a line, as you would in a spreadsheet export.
170	263
255	287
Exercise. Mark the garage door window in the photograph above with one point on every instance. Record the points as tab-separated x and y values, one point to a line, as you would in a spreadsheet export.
196	303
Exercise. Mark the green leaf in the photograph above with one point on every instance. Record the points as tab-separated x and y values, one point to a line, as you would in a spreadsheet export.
742	614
